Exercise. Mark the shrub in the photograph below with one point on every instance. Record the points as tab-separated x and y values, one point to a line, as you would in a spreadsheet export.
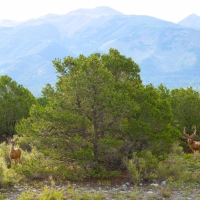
134	173
142	166
27	196
47	194
7	176
51	194
4	152
25	143
34	165
176	149
172	166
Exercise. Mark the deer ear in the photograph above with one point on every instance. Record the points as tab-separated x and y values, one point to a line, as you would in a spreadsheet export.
16	139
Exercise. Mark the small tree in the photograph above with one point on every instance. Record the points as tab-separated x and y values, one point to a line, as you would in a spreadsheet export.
149	127
185	108
15	101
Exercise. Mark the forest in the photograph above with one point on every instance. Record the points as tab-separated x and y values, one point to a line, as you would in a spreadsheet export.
97	121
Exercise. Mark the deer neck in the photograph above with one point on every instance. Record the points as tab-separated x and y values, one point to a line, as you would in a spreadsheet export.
12	148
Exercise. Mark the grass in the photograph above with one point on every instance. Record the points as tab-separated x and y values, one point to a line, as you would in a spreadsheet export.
178	170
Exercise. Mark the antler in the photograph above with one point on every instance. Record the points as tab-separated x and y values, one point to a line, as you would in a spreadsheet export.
192	135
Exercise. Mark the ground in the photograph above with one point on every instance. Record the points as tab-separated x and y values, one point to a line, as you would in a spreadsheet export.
117	188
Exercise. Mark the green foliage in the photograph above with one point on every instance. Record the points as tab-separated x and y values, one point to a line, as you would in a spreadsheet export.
4	152
185	108
142	166
47	194
178	167
177	149
2	197
98	113
109	152
175	167
83	154
73	193
3	171
7	176
134	173
27	196
149	126
51	194
25	143
92	96
15	101
34	165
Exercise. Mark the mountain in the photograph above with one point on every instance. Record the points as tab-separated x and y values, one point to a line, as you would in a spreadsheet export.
166	52
192	21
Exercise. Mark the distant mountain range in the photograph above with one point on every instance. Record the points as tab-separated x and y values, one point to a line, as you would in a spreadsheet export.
166	52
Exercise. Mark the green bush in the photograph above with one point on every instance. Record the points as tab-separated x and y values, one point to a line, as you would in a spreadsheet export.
47	194
7	176
34	165
177	149
27	196
173	166
4	152
134	173
25	143
142	166
51	194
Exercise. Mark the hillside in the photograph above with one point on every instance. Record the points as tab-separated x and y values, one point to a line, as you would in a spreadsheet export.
167	53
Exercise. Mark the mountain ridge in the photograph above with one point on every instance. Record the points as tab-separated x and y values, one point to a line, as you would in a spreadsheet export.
162	49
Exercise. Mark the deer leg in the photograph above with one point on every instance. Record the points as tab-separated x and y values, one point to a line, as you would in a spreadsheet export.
194	152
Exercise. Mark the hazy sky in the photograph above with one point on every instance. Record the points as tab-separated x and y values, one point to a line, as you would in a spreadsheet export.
169	10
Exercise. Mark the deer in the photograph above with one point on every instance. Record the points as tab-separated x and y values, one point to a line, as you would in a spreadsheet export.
14	153
194	145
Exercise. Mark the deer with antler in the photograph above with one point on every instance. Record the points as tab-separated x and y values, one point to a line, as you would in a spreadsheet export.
194	145
15	153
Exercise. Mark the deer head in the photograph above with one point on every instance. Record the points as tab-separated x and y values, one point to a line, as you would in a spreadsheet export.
12	142
189	137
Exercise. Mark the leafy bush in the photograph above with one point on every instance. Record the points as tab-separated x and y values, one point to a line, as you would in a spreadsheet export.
34	165
7	176
173	166
142	166
51	194
134	173
27	196
25	143
47	194
4	152
176	149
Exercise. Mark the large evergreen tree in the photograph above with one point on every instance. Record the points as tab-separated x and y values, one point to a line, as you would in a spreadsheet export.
99	111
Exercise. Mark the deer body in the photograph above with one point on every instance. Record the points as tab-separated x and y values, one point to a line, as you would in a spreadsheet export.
194	145
14	153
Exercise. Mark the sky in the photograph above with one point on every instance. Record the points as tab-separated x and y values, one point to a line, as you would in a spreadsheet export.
169	10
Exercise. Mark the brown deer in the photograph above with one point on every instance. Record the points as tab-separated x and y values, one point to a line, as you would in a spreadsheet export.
15	153
194	145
